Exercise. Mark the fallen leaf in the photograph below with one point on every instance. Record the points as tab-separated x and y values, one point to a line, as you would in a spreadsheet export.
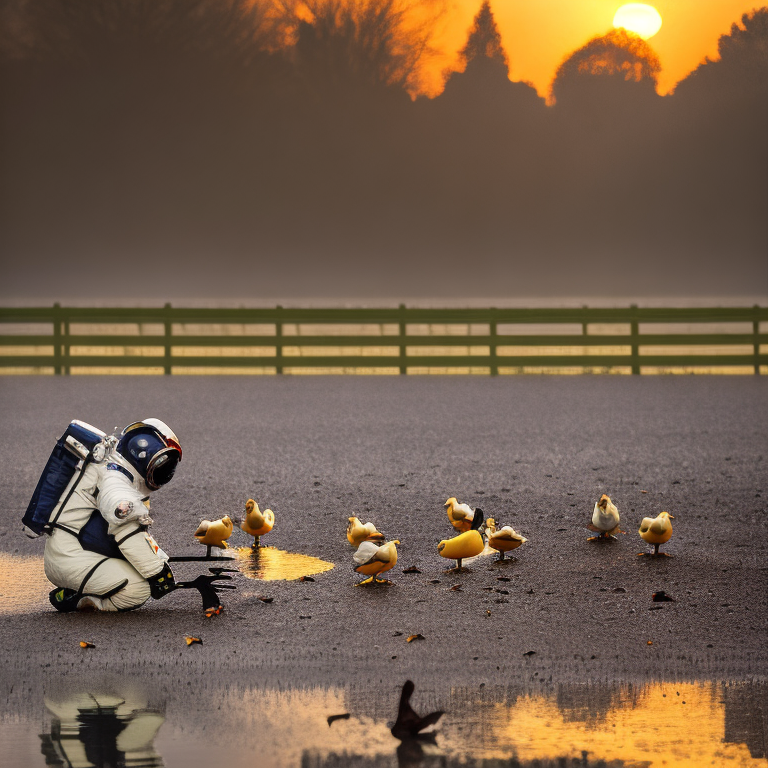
643	491
456	588
305	617
192	640
662	597
487	613
529	653
306	578
334	718
411	569
502	591
650	642
265	599
656	608
417	636
86	644
396	634
619	589
434	581
503	578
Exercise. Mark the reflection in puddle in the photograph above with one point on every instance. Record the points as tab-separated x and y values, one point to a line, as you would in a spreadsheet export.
20	595
682	724
650	726
667	724
616	726
271	564
101	730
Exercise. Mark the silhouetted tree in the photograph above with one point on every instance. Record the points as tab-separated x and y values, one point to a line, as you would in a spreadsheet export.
618	67
483	88
741	70
358	43
484	41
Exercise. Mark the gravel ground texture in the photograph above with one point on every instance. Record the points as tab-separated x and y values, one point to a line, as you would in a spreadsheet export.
534	452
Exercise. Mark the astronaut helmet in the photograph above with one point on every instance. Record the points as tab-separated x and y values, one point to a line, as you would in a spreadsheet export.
153	449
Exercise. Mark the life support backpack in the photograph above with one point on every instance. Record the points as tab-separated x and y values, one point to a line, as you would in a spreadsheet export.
80	445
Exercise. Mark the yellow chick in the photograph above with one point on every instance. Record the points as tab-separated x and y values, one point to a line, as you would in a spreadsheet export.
656	531
358	532
214	533
467	544
256	522
504	539
373	559
605	519
463	518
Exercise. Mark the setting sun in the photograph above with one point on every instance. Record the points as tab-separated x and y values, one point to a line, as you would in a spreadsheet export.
642	19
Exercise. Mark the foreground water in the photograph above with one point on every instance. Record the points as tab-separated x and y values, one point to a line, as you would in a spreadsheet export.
132	724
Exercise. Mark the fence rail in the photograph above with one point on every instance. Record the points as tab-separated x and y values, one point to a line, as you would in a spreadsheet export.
401	342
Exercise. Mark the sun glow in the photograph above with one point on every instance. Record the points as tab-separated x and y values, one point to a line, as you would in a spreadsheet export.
639	18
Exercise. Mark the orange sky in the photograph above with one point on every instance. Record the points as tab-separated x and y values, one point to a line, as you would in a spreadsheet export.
538	34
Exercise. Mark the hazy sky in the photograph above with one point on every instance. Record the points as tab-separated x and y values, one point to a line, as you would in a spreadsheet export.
538	34
170	156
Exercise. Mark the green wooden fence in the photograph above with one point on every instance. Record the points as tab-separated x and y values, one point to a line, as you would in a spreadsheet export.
408	350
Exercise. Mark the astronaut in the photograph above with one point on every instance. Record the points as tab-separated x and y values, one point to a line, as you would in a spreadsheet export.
100	554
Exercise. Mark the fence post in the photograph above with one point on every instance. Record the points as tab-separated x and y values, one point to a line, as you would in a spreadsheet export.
756	332
634	325
168	339
65	351
492	328
403	366
278	340
57	339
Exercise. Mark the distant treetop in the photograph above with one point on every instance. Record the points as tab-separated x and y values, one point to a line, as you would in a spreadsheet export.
484	41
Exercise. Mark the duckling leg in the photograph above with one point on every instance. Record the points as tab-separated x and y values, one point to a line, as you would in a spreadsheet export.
256	542
501	556
458	568
369	580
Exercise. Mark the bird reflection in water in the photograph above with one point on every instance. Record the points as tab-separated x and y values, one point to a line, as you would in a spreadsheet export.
410	729
101	731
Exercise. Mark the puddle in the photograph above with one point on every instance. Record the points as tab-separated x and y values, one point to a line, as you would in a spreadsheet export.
271	564
685	725
21	595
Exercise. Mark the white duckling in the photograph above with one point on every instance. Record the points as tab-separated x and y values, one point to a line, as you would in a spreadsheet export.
214	533
256	522
463	518
373	559
503	539
605	519
358	532
656	531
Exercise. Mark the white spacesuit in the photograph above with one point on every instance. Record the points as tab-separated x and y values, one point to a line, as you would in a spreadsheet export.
100	553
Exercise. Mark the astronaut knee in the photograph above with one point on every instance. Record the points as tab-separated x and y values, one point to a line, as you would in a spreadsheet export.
132	595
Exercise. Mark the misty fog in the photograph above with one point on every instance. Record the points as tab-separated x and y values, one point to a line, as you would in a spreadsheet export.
204	148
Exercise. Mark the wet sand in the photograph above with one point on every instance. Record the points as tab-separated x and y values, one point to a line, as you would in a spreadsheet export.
533	452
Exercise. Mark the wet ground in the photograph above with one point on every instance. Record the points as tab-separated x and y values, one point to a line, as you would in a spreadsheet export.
502	653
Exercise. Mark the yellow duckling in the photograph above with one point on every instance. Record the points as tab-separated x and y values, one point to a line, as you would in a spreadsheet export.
214	533
467	544
256	522
463	518
656	531
504	539
374	558
358	532
605	519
